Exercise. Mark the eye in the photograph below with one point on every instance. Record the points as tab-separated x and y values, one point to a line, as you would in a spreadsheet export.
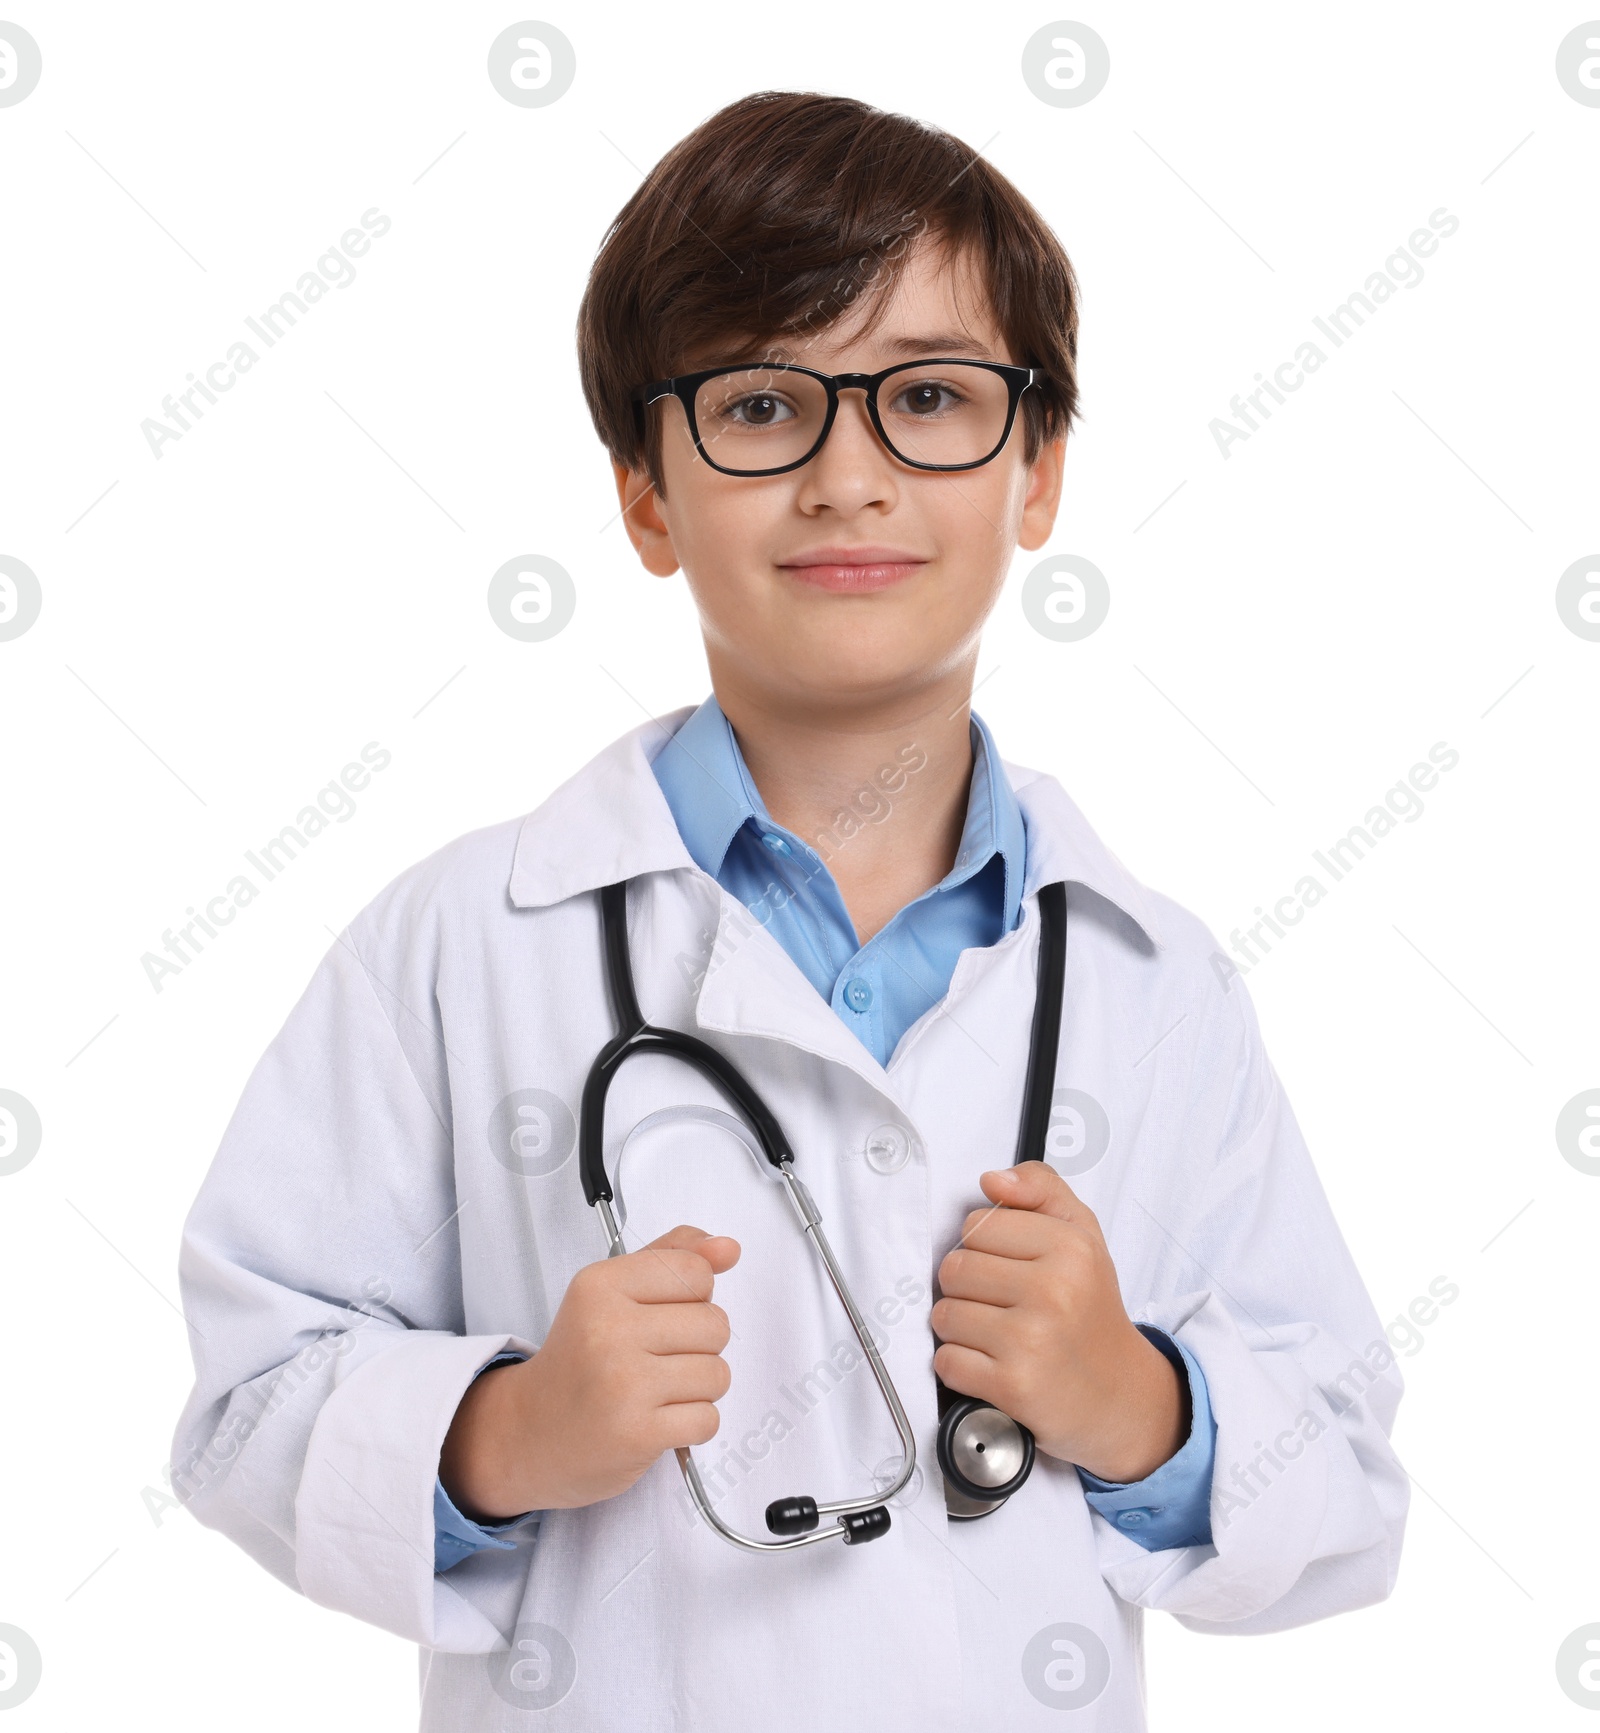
923	399
757	409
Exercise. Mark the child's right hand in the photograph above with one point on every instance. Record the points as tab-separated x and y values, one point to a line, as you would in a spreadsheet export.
631	1367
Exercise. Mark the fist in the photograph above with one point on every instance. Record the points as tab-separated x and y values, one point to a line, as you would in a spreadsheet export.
631	1367
1031	1319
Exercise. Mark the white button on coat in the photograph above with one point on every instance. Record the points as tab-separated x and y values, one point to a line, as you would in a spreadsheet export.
371	1232
888	1149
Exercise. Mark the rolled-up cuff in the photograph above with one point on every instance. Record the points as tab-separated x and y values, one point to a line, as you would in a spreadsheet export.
1171	1506
457	1537
364	1510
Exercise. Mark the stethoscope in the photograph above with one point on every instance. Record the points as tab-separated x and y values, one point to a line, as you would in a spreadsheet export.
984	1454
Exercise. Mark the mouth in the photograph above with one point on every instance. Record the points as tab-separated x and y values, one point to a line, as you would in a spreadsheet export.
853	570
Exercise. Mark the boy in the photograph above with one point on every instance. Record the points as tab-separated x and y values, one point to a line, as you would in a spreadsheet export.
423	1395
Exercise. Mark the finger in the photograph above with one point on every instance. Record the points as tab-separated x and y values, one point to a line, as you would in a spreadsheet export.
659	1275
970	1324
968	1372
996	1280
707	1254
691	1329
1032	1185
721	1252
683	1235
1011	1233
685	1423
677	1378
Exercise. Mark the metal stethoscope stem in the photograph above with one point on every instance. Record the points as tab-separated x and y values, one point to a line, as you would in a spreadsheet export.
795	1509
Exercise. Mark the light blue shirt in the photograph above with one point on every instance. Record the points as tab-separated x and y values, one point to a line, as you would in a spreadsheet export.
879	990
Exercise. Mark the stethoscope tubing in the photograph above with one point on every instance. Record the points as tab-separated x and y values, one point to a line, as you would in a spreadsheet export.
637	1036
1033	1129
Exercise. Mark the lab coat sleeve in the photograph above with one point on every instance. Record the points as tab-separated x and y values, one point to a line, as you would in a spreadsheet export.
320	1274
1253	1278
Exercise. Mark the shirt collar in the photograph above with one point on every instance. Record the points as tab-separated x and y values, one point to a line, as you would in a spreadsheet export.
995	825
612	821
702	773
708	787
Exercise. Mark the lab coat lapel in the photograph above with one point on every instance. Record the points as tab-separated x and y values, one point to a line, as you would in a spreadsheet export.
753	987
608	822
977	1039
1062	846
611	821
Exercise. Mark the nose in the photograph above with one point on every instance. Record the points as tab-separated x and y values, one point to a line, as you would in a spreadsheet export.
854	468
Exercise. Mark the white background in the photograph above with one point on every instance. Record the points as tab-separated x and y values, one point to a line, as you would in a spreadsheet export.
1293	628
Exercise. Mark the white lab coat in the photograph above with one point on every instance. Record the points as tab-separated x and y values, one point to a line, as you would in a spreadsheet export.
380	1219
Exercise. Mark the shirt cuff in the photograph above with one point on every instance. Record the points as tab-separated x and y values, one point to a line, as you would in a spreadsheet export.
457	1537
1171	1506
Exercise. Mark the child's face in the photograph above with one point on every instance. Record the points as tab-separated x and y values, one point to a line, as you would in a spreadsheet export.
807	644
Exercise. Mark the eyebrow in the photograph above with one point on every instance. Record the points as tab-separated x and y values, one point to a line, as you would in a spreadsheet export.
940	343
935	343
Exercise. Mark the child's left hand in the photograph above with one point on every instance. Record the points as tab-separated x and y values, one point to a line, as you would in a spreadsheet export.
1032	1320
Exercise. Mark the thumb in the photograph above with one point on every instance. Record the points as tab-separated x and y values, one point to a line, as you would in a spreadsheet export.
1032	1185
719	1250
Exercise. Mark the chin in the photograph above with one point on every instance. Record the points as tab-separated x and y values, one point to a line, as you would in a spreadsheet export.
847	673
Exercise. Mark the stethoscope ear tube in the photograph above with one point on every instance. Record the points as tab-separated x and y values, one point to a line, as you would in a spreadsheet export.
635	1035
985	1455
1044	1040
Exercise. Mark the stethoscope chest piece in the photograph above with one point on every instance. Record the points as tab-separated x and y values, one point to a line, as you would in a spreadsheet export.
984	1456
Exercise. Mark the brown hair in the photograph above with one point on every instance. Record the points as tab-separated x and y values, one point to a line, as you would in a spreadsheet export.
773	216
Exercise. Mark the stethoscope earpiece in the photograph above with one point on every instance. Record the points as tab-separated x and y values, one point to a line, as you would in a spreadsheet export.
799	1515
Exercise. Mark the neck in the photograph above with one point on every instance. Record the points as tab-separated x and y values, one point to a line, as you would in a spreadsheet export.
879	790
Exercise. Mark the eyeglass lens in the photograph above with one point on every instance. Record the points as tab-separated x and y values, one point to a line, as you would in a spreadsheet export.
763	418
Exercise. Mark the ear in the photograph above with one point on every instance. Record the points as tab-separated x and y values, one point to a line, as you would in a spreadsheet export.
1043	498
642	518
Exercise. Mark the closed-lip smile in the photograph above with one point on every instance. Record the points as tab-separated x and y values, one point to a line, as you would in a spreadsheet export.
854	567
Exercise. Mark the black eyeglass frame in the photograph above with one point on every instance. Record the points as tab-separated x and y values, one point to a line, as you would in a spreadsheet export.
686	385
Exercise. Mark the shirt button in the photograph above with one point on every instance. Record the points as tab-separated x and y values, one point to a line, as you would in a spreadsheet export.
775	843
1133	1518
857	994
888	1149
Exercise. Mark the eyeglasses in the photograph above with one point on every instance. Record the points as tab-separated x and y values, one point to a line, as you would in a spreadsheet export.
935	414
